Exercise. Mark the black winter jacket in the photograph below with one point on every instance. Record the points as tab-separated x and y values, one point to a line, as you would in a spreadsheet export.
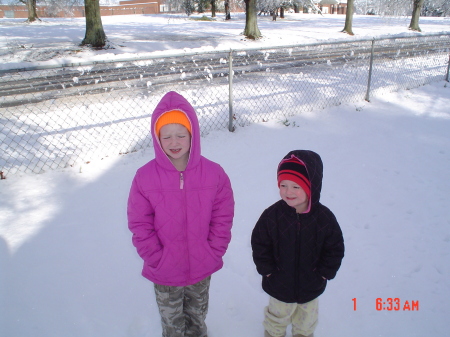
298	250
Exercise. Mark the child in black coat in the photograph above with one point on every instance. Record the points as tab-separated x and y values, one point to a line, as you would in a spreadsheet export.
297	246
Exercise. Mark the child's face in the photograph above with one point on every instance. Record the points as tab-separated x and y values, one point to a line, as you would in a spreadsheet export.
176	142
294	195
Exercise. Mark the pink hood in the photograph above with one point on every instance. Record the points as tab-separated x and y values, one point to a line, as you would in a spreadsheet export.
171	101
181	230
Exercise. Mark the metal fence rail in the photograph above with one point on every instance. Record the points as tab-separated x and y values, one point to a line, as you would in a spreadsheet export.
53	117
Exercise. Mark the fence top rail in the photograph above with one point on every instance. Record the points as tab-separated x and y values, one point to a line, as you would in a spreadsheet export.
223	51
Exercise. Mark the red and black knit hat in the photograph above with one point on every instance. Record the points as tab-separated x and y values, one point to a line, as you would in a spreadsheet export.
294	170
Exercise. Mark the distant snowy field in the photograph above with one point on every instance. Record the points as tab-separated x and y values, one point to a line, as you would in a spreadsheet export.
67	265
56	41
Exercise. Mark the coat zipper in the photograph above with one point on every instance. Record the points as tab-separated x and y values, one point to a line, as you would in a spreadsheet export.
188	276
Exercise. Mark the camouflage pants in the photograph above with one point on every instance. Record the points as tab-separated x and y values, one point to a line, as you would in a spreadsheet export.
183	309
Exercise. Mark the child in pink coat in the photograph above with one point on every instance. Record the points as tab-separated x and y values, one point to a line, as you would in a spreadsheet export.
180	211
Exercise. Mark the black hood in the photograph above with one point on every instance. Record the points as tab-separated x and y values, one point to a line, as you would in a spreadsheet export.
314	166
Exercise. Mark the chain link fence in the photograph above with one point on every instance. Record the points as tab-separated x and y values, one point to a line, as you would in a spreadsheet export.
64	116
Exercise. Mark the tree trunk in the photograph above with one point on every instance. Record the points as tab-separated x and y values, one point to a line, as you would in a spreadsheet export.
213	8
32	14
95	35
314	6
251	30
349	18
414	25
227	10
281	12
200	7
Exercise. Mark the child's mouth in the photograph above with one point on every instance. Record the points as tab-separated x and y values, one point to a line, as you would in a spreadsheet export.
175	151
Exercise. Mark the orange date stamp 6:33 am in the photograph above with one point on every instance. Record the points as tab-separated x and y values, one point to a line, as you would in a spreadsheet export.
392	304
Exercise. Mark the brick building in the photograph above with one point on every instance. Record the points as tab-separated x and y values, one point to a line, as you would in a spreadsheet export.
125	7
332	6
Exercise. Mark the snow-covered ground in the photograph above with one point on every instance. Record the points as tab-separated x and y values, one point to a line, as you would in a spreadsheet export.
56	41
67	265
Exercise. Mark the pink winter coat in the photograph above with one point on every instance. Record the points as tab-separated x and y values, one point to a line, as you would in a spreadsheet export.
181	221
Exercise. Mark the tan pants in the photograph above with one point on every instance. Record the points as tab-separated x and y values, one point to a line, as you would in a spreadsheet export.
303	317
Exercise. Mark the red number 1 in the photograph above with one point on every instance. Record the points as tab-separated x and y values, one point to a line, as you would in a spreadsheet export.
354	303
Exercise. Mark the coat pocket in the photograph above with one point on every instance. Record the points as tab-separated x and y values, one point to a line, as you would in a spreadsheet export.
315	281
204	261
161	261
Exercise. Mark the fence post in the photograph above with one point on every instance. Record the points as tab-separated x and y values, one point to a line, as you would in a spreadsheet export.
370	72
448	68
230	92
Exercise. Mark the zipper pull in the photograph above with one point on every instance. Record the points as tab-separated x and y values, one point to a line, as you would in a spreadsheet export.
181	181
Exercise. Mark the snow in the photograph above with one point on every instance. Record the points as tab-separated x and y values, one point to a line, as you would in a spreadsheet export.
56	41
67	265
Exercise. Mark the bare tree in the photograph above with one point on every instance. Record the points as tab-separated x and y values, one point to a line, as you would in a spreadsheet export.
201	4
188	7
313	5
173	5
213	8
349	18
55	7
95	35
444	8
251	30
269	7
298	4
383	7
414	25
415	8
31	8
227	10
